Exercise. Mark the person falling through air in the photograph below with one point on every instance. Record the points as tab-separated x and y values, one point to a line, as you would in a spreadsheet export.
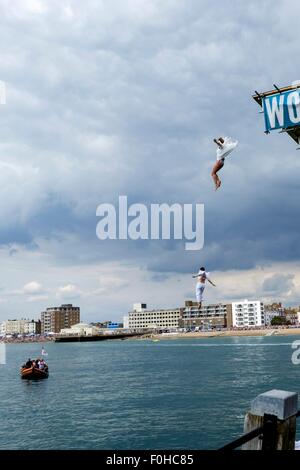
225	146
202	276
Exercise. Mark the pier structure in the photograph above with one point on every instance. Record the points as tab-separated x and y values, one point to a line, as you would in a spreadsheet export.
99	337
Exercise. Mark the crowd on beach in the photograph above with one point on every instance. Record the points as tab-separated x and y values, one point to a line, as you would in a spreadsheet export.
263	327
26	339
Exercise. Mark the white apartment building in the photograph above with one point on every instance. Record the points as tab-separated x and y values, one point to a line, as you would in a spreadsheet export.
140	317
17	327
248	313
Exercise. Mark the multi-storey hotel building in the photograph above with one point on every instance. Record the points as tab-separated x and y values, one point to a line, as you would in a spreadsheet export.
208	316
55	319
248	313
140	317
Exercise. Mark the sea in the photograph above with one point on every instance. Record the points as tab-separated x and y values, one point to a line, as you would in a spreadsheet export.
140	394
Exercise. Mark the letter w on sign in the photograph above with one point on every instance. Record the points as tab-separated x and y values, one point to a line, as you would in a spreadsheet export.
282	110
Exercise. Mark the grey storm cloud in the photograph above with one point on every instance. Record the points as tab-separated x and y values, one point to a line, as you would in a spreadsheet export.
278	284
125	97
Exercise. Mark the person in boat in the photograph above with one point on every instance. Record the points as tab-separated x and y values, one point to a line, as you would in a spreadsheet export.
202	276
37	363
225	146
28	364
42	364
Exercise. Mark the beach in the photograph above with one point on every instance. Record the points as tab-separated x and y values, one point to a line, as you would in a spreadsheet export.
226	333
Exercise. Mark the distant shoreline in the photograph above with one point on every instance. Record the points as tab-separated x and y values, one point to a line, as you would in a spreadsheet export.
170	336
228	333
25	340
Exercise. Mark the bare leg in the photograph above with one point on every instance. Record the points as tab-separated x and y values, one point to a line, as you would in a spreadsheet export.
199	305
214	175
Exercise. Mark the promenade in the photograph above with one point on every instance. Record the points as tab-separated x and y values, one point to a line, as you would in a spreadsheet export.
232	332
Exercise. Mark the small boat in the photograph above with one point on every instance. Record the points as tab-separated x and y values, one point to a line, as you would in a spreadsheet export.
31	373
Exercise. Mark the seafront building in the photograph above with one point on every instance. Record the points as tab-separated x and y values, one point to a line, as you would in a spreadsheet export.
80	329
189	316
54	319
248	313
108	324
219	315
273	310
140	317
208	316
20	327
292	315
85	329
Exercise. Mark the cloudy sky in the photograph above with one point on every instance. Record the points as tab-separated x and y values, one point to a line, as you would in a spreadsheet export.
123	97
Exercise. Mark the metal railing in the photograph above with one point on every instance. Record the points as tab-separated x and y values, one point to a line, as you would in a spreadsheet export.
267	433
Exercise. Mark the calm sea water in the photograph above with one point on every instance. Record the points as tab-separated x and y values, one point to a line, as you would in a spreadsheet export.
188	394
